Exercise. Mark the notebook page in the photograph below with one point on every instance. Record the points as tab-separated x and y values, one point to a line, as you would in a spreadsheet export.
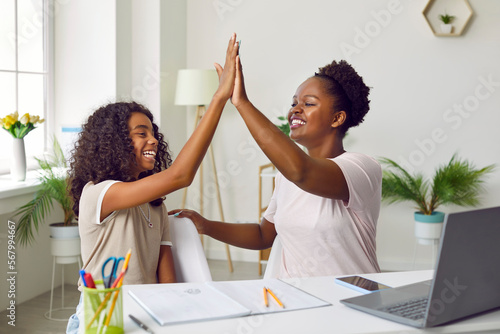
249	293
187	302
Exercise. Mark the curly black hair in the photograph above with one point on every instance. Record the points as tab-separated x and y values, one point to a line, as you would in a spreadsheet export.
348	89
104	149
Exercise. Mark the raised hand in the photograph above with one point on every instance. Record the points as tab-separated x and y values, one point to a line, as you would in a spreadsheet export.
239	96
227	73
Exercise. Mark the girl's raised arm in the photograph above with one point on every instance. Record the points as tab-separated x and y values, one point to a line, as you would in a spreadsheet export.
183	170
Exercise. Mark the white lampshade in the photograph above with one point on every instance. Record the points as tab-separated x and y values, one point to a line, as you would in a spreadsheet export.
195	87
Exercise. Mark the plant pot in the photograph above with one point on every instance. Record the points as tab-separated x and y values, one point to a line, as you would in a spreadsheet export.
18	162
65	242
60	231
428	228
65	250
446	28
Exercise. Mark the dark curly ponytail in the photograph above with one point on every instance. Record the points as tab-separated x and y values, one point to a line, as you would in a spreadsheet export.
348	89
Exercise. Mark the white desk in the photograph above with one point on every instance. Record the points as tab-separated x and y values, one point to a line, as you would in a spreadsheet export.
332	319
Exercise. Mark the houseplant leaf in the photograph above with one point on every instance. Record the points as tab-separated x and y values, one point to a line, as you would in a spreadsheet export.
458	182
53	188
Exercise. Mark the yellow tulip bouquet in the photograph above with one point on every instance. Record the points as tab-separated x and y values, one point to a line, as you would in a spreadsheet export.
20	127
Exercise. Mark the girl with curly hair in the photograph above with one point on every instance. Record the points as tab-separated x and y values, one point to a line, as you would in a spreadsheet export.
326	202
121	170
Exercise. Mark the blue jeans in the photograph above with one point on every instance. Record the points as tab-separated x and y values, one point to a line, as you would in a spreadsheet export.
74	320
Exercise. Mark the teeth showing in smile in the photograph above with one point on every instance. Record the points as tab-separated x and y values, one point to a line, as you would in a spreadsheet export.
151	154
297	121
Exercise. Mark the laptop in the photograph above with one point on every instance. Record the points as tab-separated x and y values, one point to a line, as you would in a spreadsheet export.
466	279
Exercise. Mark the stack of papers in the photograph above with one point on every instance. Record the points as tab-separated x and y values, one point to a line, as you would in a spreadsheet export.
189	302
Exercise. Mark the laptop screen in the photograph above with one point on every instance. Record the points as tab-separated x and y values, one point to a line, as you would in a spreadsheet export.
467	277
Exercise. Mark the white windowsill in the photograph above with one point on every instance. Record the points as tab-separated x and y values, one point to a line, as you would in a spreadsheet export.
11	192
10	188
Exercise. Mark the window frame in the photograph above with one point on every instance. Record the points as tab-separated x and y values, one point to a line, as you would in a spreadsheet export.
48	78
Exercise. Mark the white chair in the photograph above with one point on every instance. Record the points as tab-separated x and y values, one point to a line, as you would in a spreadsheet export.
189	257
274	261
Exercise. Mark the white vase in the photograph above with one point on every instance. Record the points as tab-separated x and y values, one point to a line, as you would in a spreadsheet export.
18	163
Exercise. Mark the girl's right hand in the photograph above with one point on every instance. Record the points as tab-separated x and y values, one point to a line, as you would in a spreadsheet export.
228	73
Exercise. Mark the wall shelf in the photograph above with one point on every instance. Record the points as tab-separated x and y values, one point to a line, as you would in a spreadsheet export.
461	9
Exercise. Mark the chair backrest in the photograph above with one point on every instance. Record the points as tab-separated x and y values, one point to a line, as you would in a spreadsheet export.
189	257
274	261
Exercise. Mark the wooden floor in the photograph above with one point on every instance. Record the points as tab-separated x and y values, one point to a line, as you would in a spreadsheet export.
30	315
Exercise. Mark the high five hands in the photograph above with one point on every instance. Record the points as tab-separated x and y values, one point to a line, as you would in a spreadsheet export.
231	83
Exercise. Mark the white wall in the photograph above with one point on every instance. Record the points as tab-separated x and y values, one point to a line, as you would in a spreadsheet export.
418	81
85	59
172	58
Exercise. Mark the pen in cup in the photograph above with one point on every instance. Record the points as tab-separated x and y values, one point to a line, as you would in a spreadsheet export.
82	275
89	281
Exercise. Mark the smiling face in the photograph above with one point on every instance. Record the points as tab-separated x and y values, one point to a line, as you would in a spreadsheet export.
312	118
144	142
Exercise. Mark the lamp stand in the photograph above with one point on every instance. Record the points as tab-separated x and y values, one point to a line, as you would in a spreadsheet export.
200	110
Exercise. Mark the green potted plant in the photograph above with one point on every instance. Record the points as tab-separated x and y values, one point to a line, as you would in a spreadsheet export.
446	26
458	182
284	126
53	188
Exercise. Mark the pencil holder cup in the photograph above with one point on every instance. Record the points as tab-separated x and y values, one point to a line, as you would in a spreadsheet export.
102	310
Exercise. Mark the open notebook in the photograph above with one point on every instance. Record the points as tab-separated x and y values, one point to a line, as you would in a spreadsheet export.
189	302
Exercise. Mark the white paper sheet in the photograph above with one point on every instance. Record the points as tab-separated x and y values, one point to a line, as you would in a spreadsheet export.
249	293
189	302
178	303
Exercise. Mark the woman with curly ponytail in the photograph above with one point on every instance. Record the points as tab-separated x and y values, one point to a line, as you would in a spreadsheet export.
326	202
119	173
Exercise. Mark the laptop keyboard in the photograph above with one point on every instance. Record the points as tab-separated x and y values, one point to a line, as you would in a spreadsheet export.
413	309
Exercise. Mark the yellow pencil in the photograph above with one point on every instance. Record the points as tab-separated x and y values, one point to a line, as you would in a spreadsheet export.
118	285
127	259
265	297
99	309
275	298
112	308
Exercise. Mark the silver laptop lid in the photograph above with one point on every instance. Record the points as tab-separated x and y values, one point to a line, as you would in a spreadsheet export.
467	277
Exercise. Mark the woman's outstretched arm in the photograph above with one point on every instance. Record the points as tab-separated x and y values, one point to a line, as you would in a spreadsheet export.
318	176
249	235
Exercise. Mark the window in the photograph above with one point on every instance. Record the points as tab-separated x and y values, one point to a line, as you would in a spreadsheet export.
24	71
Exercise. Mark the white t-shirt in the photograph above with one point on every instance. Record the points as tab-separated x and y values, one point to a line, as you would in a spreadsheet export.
325	237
